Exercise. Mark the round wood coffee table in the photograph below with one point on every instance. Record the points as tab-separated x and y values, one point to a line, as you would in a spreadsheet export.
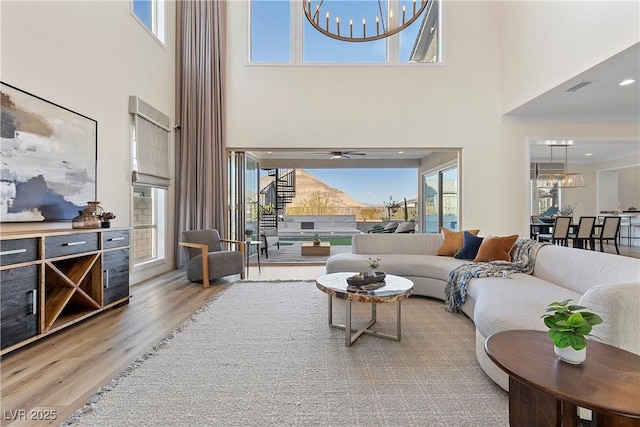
395	290
545	391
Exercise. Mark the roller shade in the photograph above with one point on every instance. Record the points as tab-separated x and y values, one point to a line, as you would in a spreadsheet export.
151	151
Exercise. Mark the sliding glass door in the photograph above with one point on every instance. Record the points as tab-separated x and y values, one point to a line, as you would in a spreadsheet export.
441	202
243	195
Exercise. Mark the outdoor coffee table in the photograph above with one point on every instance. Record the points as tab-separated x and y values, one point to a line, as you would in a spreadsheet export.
309	249
335	285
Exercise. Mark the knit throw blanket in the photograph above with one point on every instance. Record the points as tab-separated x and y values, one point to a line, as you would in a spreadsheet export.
523	256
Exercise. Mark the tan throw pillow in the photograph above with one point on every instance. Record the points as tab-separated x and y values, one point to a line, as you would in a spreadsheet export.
452	241
496	249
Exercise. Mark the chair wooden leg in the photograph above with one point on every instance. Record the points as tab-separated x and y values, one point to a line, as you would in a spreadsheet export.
205	267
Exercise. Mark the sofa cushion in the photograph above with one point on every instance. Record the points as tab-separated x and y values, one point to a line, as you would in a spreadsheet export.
496	248
398	264
396	243
471	244
579	270
618	306
452	241
496	302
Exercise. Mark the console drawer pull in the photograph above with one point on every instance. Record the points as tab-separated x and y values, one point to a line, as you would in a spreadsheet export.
13	252
81	242
34	301
115	239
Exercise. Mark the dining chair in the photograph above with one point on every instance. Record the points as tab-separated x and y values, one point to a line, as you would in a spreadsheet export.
609	231
584	234
625	224
560	232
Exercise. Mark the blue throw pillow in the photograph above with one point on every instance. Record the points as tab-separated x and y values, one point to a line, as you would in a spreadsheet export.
470	245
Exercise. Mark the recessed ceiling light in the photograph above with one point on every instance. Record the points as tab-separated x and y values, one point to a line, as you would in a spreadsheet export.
626	82
589	154
400	152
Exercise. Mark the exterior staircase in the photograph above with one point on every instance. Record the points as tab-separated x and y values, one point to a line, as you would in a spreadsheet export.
276	195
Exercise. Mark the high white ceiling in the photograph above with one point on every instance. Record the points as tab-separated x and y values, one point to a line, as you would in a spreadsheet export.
602	101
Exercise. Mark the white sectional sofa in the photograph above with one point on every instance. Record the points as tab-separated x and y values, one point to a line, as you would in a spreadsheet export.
608	284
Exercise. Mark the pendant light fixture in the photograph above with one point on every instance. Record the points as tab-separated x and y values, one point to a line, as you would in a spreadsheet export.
562	179
384	24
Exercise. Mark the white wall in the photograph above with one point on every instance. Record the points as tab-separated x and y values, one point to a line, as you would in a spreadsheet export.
628	193
457	105
89	56
548	42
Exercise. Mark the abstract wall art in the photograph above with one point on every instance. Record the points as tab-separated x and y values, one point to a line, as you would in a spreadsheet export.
48	159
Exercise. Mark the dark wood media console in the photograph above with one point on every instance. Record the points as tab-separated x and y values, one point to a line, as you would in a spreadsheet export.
53	279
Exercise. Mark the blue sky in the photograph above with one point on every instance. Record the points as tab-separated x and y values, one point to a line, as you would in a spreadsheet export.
371	185
270	32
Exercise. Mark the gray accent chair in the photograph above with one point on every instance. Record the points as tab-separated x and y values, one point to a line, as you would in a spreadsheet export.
206	257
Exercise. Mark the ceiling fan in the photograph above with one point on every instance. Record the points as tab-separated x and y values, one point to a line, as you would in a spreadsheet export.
341	154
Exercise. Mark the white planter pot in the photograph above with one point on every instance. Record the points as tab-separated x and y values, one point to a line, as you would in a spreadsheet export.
570	355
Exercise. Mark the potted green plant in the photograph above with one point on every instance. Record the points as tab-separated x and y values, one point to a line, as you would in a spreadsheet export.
316	239
248	233
374	265
569	325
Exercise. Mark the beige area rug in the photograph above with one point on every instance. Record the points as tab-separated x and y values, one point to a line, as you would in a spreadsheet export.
262	354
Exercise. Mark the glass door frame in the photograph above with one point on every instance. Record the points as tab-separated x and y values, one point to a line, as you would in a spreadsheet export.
445	202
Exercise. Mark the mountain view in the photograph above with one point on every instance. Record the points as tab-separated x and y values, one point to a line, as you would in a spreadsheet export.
307	185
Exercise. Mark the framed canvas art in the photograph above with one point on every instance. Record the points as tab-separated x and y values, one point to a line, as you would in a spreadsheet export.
48	152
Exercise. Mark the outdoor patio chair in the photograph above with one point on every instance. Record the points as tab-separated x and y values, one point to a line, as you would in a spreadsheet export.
560	231
389	228
206	257
406	227
269	238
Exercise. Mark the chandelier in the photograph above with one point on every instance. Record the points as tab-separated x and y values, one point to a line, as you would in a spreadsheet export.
562	179
384	25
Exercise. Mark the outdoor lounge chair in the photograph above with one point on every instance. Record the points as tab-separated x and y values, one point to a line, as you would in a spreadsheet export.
389	228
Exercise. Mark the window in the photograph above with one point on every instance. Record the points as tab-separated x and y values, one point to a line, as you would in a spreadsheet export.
150	13
148	224
151	176
270	37
280	33
440	190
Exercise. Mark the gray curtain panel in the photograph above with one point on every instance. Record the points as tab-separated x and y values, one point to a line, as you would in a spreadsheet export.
201	165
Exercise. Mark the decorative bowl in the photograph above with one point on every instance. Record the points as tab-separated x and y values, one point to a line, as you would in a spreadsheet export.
379	277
